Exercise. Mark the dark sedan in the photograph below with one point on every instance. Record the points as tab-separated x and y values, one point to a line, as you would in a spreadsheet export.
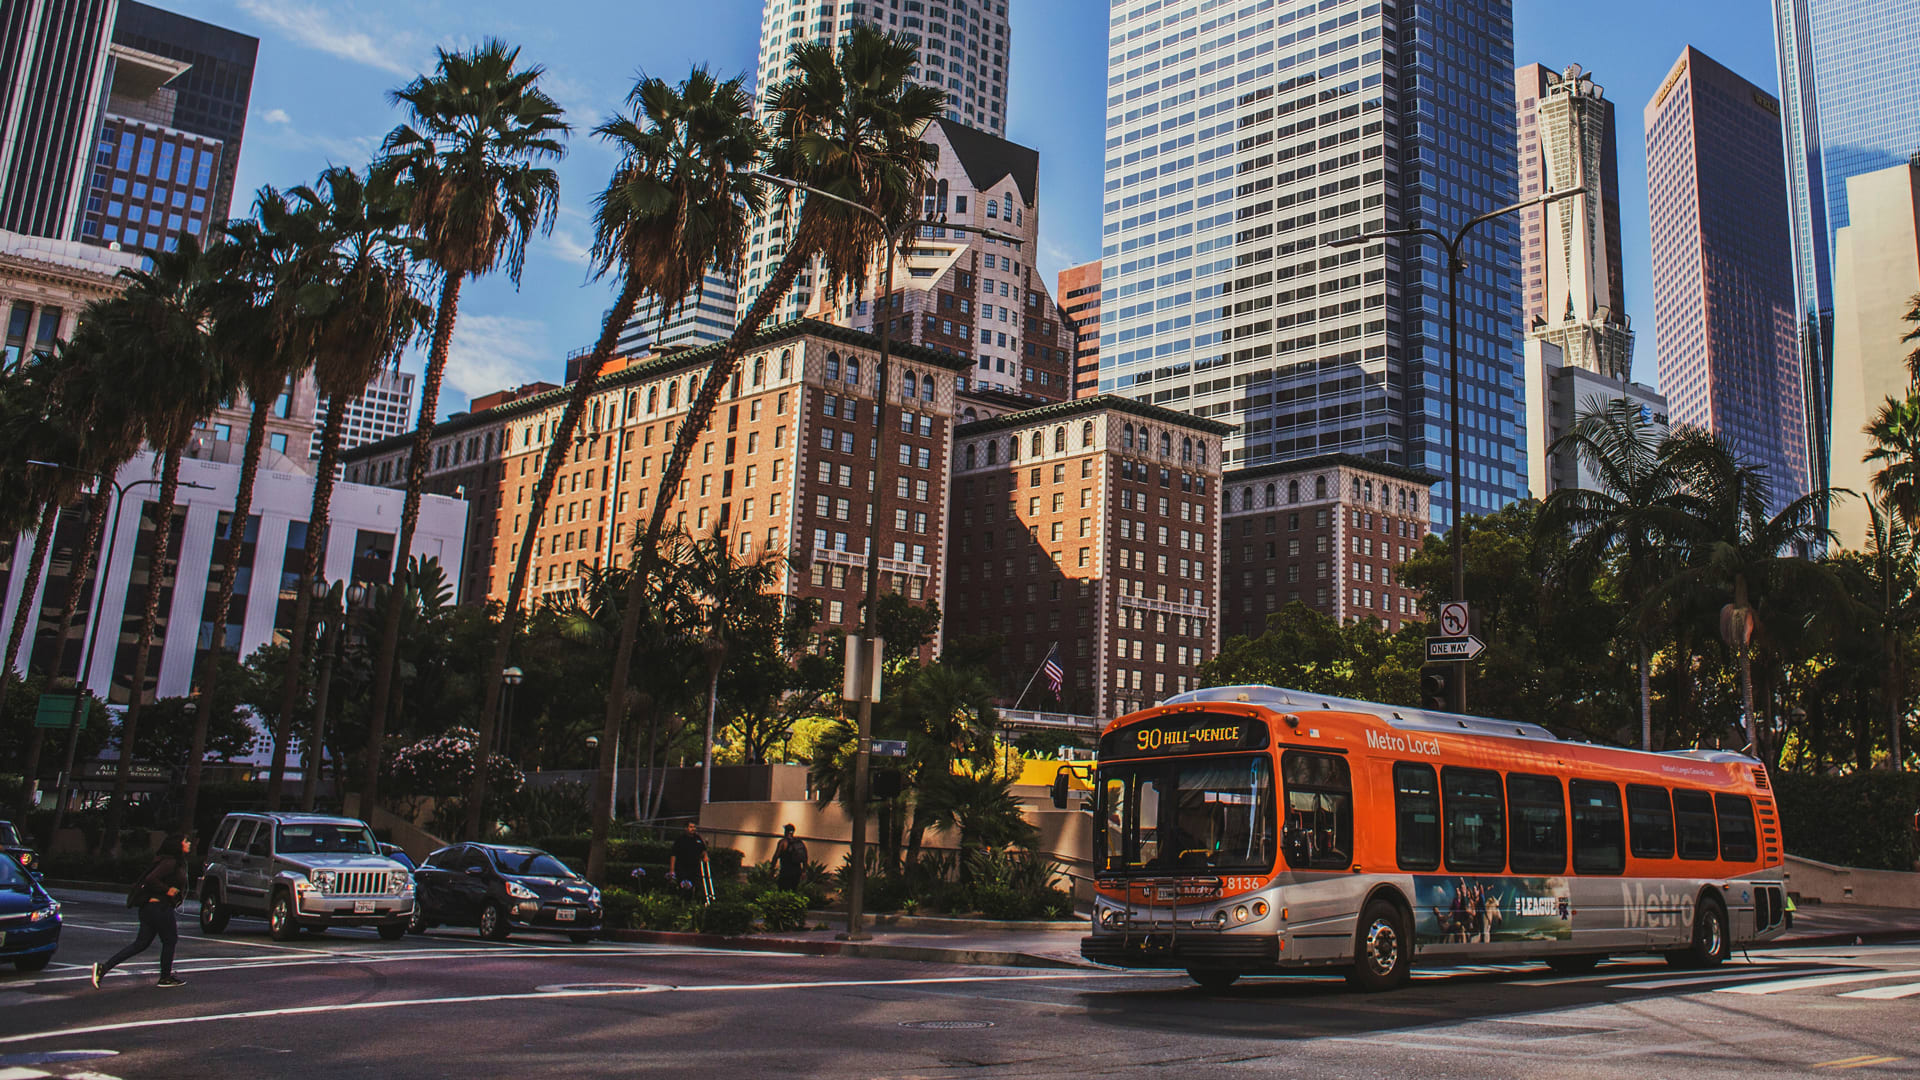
500	888
29	919
15	847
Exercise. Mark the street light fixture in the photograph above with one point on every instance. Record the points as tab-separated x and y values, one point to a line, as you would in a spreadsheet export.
1457	536
91	629
863	745
510	678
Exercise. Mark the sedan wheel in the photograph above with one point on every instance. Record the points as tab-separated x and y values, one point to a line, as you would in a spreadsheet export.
493	923
418	923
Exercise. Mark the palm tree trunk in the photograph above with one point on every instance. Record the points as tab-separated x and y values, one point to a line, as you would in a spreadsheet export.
310	571
143	651
556	457
22	615
223	604
383	663
699	414
1646	697
716	658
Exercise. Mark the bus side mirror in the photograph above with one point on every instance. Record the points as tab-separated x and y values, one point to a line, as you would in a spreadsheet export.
1059	790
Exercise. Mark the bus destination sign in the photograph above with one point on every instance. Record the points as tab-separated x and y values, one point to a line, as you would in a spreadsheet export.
1184	733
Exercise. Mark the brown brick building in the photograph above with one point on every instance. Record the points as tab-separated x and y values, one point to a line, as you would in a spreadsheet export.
1079	295
787	467
1328	531
1088	526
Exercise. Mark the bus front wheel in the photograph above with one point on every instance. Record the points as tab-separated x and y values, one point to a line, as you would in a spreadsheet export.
1213	978
1383	953
1711	943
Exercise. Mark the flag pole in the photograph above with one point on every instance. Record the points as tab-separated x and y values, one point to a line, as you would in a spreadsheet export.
1036	674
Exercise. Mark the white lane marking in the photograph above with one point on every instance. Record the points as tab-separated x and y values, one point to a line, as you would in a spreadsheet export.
1701	980
237	942
1886	993
1783	986
214	963
21	1074
471	999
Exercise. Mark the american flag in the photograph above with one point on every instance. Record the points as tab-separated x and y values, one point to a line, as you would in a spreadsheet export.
1052	670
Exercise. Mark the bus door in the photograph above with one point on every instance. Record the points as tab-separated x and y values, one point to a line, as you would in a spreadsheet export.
1317	840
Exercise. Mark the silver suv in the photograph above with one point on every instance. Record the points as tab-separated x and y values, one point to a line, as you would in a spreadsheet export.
303	870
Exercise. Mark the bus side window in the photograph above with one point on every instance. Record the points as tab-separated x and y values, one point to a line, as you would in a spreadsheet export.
1476	819
1599	839
1319	829
1738	842
1538	833
1693	824
1649	822
1416	808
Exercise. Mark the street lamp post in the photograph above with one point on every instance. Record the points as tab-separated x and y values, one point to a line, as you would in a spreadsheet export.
90	631
863	744
509	678
337	613
1457	538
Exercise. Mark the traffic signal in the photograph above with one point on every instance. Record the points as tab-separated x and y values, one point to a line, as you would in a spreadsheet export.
1436	688
883	785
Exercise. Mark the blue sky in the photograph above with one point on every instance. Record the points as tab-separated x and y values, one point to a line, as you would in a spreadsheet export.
319	98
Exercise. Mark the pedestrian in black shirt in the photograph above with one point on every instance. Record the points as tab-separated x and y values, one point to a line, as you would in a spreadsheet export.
155	896
790	860
688	856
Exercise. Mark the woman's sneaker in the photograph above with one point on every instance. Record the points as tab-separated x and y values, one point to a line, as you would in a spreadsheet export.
98	974
171	980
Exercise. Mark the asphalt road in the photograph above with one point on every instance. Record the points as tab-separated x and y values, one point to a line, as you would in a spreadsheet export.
449	1005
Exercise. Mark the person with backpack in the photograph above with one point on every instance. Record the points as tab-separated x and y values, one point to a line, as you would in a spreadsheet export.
156	896
790	860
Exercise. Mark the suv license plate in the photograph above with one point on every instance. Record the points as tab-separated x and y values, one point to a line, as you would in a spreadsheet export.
565	914
363	907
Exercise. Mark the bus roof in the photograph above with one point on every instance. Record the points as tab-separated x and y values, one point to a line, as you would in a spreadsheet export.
1284	700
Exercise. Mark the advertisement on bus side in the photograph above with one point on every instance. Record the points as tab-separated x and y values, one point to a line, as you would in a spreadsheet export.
1451	908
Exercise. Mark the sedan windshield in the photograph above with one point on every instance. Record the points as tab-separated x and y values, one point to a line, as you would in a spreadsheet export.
1212	813
8	835
12	877
522	863
324	838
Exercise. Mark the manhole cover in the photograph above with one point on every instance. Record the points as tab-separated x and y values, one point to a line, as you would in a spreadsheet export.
946	1025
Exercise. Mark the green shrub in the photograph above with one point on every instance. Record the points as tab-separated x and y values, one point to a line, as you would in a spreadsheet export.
661	911
620	909
724	917
1859	819
783	910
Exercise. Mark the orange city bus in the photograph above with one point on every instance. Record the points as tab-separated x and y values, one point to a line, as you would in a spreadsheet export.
1250	829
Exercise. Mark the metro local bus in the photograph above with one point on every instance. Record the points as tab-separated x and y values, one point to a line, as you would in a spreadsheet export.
1250	829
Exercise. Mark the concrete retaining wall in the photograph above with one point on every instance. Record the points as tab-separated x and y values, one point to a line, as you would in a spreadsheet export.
1825	883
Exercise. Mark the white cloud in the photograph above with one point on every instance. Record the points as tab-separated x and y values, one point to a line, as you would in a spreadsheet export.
276	116
493	352
323	30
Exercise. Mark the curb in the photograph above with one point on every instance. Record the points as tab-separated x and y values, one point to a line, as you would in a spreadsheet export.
871	950
1860	937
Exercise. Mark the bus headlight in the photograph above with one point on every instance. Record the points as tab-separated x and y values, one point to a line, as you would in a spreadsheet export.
1260	909
1240	913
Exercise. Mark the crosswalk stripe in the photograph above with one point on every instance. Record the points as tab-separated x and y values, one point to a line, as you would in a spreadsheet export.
1886	993
1784	985
1701	980
1857	1062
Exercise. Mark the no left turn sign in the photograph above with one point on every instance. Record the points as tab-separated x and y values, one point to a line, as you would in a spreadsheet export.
1453	618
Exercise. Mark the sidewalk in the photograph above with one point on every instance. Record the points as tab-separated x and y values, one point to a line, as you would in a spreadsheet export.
1840	924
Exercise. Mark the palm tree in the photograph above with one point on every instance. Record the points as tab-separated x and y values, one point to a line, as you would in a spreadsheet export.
1627	519
1895	438
258	328
360	299
467	169
1896	574
161	354
679	201
1737	551
848	123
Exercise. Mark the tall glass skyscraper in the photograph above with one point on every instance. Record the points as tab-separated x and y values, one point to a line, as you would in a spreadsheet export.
1243	138
1848	83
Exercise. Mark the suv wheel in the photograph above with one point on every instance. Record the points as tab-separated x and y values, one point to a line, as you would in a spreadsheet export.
493	923
213	917
281	923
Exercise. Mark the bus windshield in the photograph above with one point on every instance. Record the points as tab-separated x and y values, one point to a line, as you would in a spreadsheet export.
1191	814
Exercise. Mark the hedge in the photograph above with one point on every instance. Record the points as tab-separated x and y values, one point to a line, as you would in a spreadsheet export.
1862	819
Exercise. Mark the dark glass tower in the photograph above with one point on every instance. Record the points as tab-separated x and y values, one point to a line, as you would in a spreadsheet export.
53	54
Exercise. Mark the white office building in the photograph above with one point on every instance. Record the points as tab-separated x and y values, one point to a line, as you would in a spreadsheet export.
1243	140
698	320
1559	392
383	411
365	524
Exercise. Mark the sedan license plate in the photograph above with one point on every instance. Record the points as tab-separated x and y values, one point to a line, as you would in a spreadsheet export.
565	914
363	907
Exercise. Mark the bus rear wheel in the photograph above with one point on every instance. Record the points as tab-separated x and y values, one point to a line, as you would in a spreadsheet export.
1213	978
1383	952
1711	943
